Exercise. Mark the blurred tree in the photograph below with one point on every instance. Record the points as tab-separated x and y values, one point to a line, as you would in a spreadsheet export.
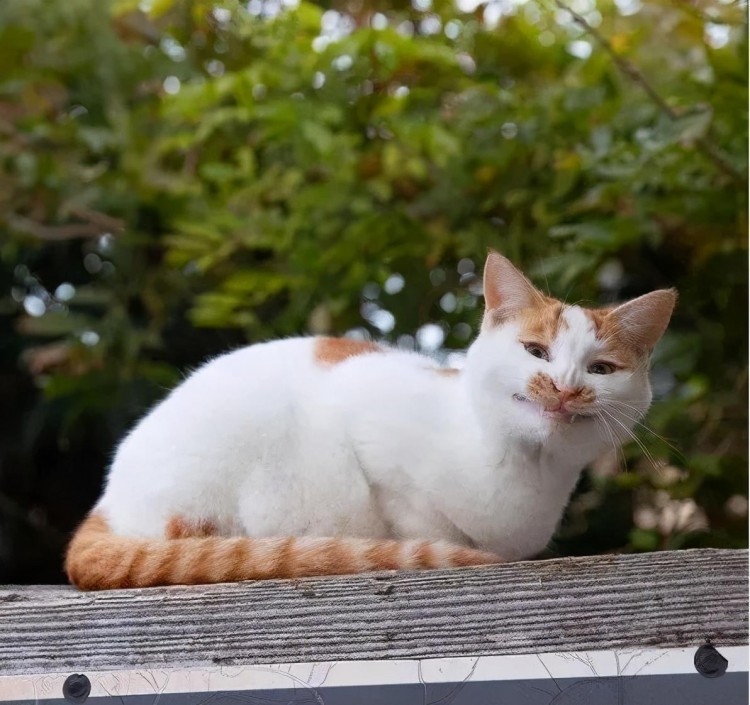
179	177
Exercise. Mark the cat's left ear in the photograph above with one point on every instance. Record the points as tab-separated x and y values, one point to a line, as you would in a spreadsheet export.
506	290
645	319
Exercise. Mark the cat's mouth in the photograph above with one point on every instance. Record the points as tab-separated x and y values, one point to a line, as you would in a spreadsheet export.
559	415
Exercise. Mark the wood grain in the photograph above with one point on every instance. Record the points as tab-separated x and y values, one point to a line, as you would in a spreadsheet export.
670	599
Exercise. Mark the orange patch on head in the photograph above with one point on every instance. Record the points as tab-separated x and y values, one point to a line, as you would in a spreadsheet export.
542	323
180	528
619	346
331	351
448	371
540	319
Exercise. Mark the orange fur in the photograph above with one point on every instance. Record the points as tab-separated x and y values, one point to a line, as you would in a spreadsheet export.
383	555
542	389
423	555
620	346
448	371
629	331
97	559
331	351
543	322
180	528
464	557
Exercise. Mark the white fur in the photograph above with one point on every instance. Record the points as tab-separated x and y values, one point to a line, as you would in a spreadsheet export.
266	441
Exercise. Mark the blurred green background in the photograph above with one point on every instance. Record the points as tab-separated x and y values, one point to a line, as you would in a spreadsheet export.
178	178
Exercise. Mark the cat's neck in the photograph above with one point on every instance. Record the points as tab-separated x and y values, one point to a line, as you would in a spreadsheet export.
485	432
493	423
484	461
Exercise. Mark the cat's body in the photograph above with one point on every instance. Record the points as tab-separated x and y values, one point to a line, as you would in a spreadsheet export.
365	447
364	444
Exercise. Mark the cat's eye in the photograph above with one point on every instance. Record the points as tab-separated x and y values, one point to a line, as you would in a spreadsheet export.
537	350
601	368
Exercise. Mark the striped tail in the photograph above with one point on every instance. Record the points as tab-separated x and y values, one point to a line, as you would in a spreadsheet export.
97	559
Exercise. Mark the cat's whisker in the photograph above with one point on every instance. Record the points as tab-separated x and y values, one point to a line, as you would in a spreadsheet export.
637	440
603	396
638	413
616	447
638	420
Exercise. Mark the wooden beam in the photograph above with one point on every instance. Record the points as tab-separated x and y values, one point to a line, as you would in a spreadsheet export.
656	600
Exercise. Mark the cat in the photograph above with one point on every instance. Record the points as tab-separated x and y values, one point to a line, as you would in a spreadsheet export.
321	456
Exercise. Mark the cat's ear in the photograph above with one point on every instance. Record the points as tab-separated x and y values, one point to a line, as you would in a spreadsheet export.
645	319
506	290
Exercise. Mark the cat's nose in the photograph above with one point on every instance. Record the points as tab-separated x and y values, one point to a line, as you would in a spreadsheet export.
566	393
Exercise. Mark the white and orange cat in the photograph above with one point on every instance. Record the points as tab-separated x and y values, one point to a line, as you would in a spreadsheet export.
320	456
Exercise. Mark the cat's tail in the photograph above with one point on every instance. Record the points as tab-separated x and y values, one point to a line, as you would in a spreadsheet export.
98	559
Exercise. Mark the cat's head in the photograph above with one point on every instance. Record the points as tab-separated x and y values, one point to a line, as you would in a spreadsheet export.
544	369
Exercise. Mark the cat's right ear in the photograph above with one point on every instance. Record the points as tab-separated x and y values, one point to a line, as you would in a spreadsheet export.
644	320
506	290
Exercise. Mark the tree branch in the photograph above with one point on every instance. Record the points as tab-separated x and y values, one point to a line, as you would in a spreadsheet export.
703	144
102	220
96	224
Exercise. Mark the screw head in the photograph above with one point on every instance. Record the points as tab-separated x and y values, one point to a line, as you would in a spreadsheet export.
76	688
709	662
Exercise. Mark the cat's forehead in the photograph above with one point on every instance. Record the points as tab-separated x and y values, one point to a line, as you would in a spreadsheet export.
542	323
580	329
552	320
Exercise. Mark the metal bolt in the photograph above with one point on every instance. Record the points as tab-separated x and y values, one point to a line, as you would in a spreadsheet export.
76	688
709	662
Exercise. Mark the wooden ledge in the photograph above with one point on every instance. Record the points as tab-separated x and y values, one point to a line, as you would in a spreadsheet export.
657	600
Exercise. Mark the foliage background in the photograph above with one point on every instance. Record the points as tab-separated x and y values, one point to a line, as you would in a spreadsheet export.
181	177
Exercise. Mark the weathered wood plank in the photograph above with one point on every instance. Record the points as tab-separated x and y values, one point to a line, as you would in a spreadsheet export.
671	599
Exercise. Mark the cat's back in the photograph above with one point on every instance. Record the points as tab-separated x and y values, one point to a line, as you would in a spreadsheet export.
290	357
242	386
289	371
268	389
258	390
